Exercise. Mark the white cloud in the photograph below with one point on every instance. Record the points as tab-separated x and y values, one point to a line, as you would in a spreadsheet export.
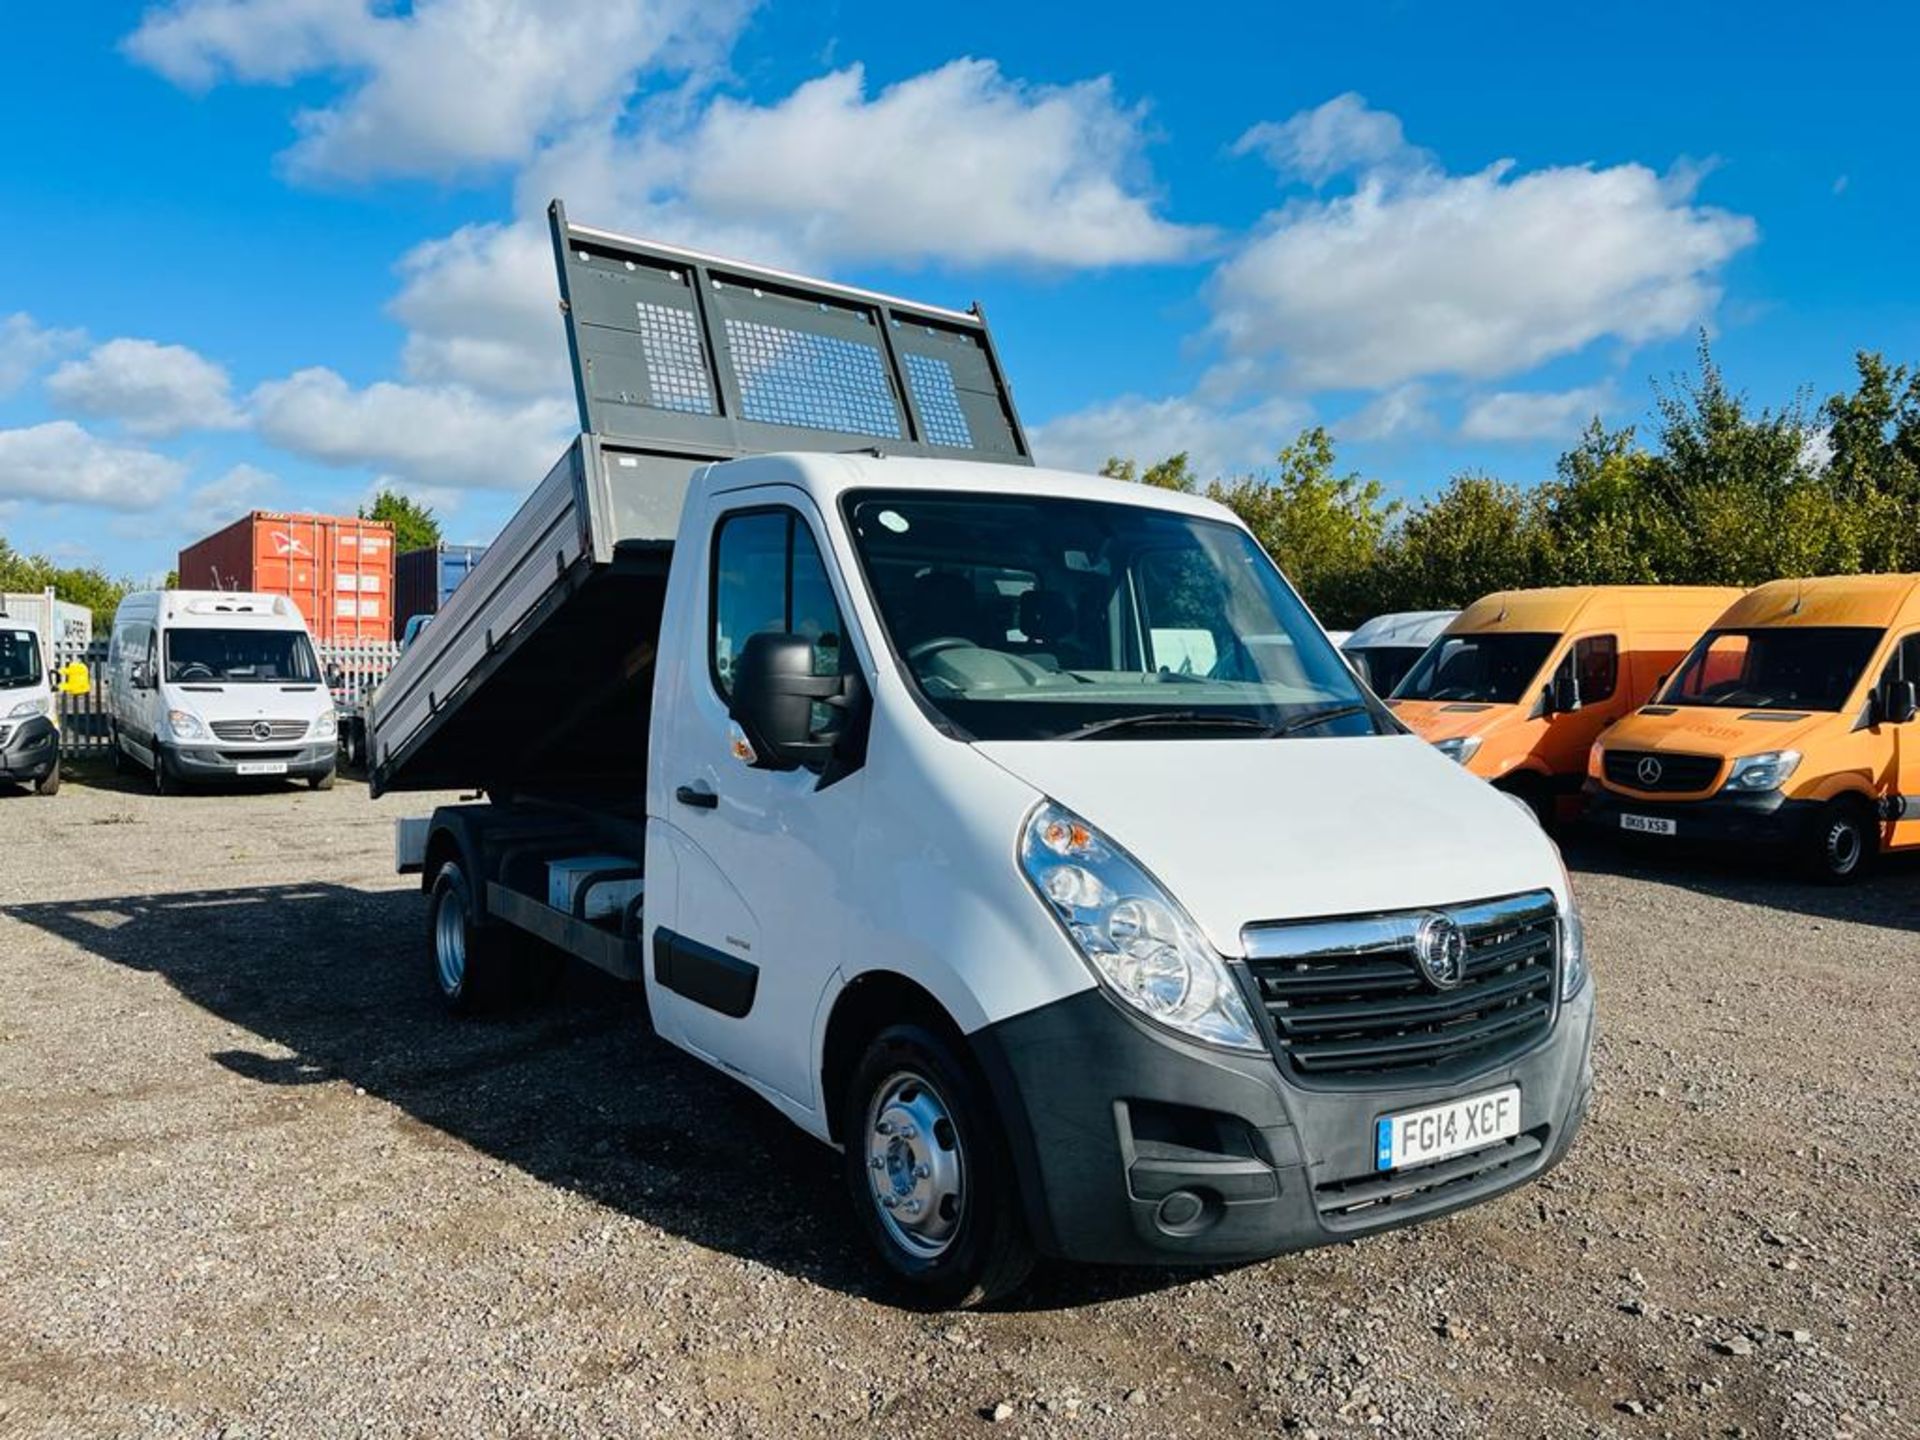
1398	412
1343	134
150	389
959	165
442	86
1218	440
429	434
1534	414
1422	273
208	507
61	463
25	347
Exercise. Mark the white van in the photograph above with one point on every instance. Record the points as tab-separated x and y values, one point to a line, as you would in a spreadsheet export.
1383	650
1018	833
206	686
29	723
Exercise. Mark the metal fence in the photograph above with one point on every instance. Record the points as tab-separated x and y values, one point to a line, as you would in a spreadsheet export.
84	728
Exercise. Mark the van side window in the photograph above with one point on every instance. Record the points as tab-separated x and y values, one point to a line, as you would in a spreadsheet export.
1904	663
768	576
1595	662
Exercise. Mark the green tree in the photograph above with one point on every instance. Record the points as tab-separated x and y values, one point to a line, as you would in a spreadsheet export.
1326	531
86	585
1476	536
414	525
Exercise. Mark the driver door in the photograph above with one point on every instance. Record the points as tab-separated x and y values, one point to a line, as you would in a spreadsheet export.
1903	769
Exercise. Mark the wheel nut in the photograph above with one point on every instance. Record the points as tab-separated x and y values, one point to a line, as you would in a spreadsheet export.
921	1172
874	1162
907	1132
912	1207
885	1127
889	1201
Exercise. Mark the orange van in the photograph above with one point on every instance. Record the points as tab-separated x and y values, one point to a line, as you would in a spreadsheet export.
1791	723
1521	684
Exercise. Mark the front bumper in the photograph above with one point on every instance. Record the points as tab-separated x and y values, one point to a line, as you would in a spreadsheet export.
1136	1147
30	751
1765	819
203	761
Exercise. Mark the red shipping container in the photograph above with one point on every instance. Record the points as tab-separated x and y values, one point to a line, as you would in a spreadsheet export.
337	569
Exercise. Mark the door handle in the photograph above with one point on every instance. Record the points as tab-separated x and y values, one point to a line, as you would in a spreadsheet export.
698	799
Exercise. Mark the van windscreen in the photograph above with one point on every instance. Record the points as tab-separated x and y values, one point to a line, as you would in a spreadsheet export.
1812	667
19	658
241	657
1035	617
1385	666
1478	669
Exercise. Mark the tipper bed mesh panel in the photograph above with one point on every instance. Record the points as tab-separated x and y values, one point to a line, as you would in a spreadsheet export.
686	354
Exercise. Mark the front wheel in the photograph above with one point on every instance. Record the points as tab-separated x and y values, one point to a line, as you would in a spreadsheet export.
927	1168
1840	847
322	781
164	780
49	783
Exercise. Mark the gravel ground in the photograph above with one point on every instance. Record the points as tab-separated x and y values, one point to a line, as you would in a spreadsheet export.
253	1183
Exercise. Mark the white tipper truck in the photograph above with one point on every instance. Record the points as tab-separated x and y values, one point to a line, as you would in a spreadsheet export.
1018	833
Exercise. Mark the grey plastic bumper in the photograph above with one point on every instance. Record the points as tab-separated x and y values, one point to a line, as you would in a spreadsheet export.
31	752
1764	819
1134	1146
202	762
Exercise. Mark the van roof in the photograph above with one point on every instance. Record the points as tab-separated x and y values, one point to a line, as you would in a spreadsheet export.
1407	627
216	609
1556	610
1875	600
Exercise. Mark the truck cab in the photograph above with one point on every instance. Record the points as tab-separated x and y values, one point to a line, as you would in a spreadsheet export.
1790	726
1522	682
1012	831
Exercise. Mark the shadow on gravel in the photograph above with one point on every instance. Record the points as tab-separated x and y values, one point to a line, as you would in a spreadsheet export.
1888	897
576	1091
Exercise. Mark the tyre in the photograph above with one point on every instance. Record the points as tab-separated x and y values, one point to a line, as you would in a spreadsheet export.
322	781
49	783
165	782
471	961
1841	843
927	1169
119	755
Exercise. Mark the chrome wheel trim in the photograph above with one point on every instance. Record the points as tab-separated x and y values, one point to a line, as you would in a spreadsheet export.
915	1166
450	941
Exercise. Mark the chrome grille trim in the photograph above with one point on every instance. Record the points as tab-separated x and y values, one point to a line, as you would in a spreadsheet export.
277	730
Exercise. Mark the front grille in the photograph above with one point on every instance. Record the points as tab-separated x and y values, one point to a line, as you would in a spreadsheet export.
1349	997
281	730
1678	774
1376	1199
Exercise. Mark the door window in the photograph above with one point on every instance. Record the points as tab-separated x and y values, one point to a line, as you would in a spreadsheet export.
1904	662
1596	662
768	577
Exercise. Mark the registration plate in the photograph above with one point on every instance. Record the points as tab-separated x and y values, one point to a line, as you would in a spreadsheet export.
1647	825
1419	1137
261	767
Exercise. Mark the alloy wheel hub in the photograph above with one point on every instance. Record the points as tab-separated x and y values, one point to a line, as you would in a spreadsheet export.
915	1166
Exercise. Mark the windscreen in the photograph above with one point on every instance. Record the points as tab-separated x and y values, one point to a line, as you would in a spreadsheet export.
1478	669
241	657
1385	666
19	658
1045	618
1790	668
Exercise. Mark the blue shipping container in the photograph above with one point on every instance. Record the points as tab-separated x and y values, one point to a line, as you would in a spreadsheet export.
423	580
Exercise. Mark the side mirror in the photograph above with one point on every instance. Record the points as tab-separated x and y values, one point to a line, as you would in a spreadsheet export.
774	692
140	675
336	678
1563	695
1898	701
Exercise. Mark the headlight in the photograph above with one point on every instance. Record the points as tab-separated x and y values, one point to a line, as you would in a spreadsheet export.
27	709
1461	747
326	724
1763	772
185	725
1130	932
1573	942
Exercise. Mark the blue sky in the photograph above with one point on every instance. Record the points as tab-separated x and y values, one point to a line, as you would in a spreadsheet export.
277	252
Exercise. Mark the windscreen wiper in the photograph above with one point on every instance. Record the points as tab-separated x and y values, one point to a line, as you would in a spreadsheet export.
1152	718
1319	717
